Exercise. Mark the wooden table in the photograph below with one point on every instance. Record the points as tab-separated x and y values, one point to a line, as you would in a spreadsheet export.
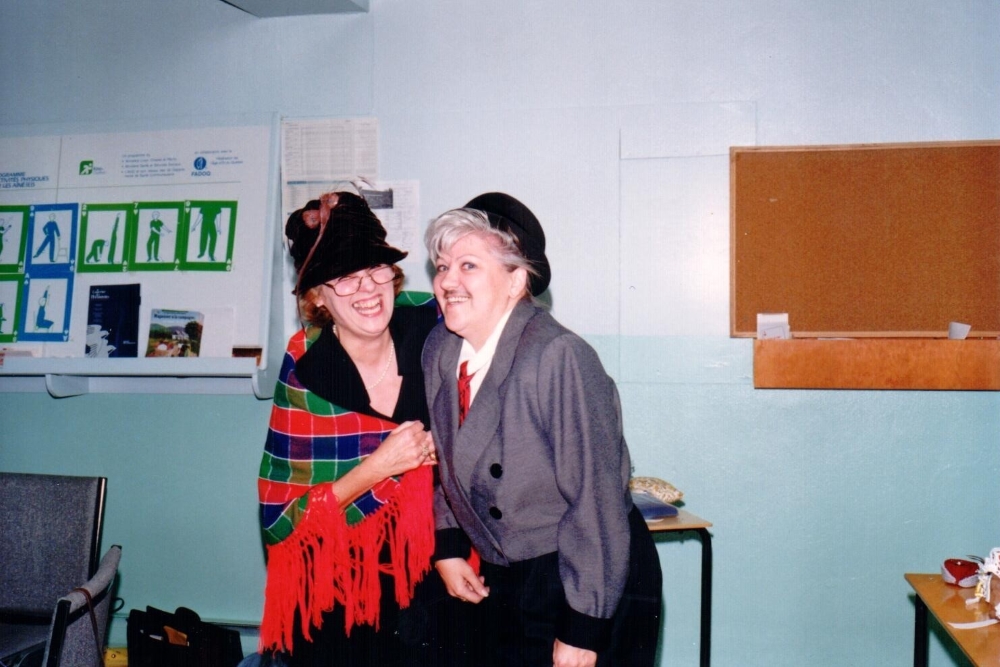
687	522
947	604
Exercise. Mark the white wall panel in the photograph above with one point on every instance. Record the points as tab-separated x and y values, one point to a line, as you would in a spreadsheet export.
675	247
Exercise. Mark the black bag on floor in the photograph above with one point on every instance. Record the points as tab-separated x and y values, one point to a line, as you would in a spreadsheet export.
158	638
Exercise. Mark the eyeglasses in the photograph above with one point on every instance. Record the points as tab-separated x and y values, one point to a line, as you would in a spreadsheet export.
349	285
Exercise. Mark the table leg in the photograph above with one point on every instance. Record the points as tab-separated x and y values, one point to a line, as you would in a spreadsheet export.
706	596
920	634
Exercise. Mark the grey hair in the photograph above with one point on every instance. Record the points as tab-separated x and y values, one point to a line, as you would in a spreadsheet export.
445	230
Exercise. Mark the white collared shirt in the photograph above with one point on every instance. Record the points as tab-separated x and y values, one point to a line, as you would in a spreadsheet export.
479	362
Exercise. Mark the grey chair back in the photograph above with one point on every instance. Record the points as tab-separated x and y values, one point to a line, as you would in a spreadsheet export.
72	642
51	530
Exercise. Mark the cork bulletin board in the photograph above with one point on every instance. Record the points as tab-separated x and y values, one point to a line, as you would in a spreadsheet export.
876	240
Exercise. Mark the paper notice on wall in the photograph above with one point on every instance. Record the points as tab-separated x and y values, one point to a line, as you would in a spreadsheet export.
772	325
958	330
316	154
397	205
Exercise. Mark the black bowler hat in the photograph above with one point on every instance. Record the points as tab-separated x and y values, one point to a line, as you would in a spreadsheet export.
508	214
353	239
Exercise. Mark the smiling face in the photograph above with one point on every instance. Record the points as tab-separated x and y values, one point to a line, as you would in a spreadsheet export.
474	289
364	314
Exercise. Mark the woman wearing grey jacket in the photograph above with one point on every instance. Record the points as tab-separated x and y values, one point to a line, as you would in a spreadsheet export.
533	465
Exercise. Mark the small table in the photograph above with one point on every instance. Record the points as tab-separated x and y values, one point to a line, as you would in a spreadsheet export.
687	522
947	603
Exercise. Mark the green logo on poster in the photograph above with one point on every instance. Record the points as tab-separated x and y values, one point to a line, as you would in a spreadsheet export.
86	167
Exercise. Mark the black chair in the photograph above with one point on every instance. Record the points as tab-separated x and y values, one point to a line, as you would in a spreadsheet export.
50	533
74	641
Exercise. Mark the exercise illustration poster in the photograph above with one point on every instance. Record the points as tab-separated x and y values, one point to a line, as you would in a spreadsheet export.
13	238
180	213
11	292
104	234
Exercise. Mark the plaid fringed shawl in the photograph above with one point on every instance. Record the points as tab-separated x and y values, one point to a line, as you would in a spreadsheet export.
318	555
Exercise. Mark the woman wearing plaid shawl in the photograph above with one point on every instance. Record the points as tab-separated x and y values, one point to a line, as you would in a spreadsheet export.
345	481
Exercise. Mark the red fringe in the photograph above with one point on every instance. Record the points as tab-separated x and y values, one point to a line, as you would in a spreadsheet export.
325	562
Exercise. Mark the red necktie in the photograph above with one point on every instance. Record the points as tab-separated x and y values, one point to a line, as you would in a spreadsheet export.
464	398
464	391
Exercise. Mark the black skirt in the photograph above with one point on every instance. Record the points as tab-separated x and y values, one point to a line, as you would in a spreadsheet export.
431	632
516	624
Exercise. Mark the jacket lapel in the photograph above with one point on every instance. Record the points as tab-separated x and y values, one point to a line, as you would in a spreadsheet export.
483	419
445	408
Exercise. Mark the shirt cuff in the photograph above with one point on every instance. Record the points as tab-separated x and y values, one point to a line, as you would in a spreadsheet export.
451	543
583	631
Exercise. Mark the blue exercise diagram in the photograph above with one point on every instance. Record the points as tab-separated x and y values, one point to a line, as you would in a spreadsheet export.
51	237
45	312
48	273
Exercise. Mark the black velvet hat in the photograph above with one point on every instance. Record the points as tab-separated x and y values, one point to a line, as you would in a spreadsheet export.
508	214
353	239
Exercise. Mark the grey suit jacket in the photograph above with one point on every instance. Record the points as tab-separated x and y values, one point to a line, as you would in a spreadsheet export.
540	464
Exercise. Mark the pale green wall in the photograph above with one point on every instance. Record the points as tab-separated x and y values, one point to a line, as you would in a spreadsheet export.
611	120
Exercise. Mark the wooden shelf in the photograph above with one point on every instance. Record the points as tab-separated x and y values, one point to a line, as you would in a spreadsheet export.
893	363
76	376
